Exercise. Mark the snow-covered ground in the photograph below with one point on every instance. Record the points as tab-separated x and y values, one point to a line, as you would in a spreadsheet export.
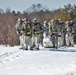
44	62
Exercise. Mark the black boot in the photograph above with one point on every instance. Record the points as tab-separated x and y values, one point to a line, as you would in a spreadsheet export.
37	48
56	47
25	48
31	48
53	47
21	48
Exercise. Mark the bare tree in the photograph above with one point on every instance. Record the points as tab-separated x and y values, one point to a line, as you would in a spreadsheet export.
1	11
8	10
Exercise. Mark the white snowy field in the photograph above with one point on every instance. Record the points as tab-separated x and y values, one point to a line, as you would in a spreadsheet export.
43	62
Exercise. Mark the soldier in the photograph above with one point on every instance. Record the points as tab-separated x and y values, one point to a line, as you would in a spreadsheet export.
53	30
27	33
47	42
18	31
41	34
60	28
46	28
37	30
69	33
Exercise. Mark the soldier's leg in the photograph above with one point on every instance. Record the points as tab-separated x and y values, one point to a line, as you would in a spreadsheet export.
56	41
37	42
20	38
21	42
59	41
67	39
33	41
35	38
62	39
53	40
30	43
72	40
26	42
41	39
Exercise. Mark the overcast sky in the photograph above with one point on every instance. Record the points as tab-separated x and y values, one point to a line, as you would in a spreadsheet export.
20	5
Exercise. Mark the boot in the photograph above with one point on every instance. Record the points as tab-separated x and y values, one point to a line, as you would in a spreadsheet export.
21	48
37	48
31	48
25	48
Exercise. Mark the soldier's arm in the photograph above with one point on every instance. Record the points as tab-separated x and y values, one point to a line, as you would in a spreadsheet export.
42	28
50	29
22	29
73	29
17	30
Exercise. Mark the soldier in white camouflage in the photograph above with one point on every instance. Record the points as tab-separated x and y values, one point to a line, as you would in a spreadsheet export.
46	28
47	41
69	33
27	33
53	31
60	32
37	30
18	31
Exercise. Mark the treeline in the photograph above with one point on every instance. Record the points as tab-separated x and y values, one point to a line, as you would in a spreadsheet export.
8	19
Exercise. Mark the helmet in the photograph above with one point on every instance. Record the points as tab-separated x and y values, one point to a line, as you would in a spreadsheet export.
52	21
67	22
71	21
45	22
20	20
34	20
59	19
25	19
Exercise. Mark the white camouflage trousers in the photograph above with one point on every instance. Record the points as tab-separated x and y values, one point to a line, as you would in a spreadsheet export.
21	38
37	41
27	41
60	40
69	39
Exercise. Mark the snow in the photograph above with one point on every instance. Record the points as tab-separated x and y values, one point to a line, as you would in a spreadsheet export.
61	61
